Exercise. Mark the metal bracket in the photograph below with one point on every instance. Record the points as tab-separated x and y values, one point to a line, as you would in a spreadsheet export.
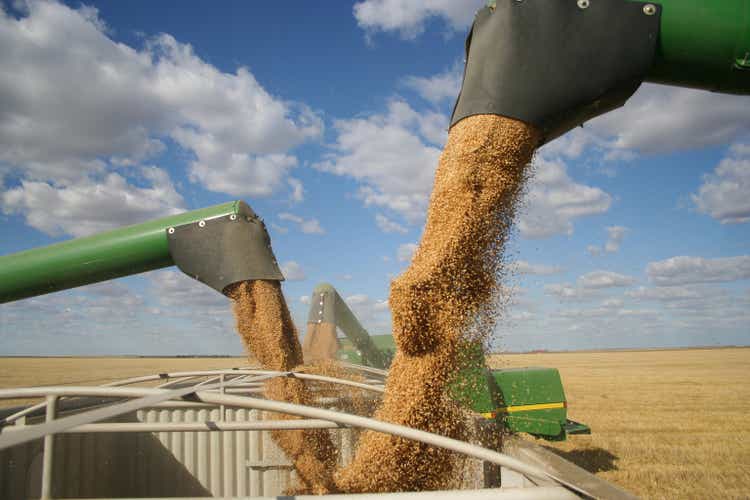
323	305
225	250
556	63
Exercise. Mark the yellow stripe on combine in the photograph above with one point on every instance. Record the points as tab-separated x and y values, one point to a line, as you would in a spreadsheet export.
514	409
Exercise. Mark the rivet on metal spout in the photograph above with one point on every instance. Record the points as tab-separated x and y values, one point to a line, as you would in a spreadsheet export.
220	252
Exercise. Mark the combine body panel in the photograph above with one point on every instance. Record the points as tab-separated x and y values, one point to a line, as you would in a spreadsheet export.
530	400
533	401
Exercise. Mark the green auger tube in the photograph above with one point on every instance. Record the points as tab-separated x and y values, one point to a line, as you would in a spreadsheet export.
327	306
218	246
704	44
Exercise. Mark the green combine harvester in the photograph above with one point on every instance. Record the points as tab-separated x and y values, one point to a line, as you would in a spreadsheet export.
530	400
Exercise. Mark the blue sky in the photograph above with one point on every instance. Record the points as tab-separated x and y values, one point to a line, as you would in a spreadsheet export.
329	118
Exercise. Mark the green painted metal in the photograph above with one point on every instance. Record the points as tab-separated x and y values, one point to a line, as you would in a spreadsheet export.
545	424
349	353
334	310
497	393
526	386
121	252
521	387
704	44
473	386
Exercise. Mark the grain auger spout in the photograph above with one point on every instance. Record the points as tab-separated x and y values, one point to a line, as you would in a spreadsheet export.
218	246
555	64
329	311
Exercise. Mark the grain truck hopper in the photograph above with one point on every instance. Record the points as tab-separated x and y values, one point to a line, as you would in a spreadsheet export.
529	400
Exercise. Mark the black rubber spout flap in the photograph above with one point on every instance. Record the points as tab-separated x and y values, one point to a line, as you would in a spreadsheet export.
225	250
556	63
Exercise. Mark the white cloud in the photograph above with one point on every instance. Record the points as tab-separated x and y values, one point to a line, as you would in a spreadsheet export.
357	299
638	313
235	173
173	289
594	250
662	119
307	226
604	279
523	267
589	286
408	17
725	193
388	226
668	293
298	190
371	312
406	251
615	235
279	229
566	291
612	303
393	156
76	102
597	312
553	201
685	270
438	88
88	206
292	271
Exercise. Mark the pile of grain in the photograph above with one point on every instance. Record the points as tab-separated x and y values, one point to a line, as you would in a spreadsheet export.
267	330
446	297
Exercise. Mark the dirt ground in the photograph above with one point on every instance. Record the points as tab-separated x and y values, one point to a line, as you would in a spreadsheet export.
665	424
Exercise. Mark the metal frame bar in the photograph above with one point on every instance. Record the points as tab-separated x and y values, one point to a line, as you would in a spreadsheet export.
149	397
49	450
212	392
208	426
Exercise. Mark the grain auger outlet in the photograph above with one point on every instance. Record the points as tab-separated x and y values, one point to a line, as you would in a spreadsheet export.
218	246
329	311
555	64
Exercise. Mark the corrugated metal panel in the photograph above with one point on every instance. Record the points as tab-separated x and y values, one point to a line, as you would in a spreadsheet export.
236	463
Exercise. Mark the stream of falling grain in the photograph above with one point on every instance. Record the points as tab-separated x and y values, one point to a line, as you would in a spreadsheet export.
446	297
267	330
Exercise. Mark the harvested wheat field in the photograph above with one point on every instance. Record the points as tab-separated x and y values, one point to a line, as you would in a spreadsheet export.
665	424
27	372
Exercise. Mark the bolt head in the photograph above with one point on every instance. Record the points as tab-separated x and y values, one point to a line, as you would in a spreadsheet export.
649	9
